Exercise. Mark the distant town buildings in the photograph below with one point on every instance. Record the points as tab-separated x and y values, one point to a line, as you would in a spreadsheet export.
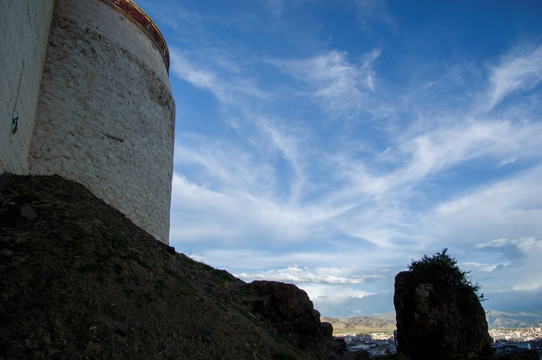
507	341
376	344
504	341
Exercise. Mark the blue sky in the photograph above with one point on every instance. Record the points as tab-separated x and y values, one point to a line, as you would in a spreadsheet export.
328	143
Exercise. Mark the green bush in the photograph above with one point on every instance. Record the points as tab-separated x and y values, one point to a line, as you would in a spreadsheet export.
442	271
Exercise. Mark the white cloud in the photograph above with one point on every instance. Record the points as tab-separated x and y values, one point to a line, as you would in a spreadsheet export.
202	79
237	217
463	141
340	300
284	141
333	294
223	165
343	87
523	269
305	275
378	194
195	195
521	70
510	207
534	283
368	68
524	243
500	223
480	267
371	202
225	81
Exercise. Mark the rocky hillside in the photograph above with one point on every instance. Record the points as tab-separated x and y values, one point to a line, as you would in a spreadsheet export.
80	281
499	319
361	324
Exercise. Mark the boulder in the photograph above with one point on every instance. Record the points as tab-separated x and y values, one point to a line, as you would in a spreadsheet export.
434	323
290	309
326	330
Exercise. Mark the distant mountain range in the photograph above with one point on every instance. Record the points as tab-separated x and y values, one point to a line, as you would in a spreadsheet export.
498	319
385	322
363	324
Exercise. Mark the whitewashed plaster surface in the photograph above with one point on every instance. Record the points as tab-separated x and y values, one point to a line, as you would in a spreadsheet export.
24	29
105	114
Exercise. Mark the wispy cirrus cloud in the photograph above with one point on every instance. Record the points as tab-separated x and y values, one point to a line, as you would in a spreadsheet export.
379	194
507	207
276	184
371	193
235	216
341	85
413	158
223	165
463	140
217	76
371	12
185	70
521	70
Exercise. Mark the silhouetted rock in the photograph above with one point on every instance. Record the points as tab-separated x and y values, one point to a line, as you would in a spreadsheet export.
326	330
289	308
293	315
431	325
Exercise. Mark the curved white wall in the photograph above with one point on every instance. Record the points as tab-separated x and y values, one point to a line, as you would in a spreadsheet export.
105	115
23	39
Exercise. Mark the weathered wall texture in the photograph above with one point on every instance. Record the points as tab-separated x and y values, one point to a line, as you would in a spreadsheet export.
23	39
105	115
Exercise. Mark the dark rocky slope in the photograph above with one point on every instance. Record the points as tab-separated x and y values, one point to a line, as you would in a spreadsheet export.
80	281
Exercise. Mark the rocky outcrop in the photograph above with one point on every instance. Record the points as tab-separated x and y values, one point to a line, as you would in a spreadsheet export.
291	310
433	326
293	315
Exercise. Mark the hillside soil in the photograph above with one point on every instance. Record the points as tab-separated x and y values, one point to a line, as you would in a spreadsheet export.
80	281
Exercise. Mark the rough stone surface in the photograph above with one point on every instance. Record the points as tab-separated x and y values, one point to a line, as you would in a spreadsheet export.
24	31
289	307
292	313
326	330
429	327
105	115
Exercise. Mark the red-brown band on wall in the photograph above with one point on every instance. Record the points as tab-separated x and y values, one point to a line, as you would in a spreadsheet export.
135	14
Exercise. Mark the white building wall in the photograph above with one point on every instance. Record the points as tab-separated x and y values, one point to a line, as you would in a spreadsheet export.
105	114
24	29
